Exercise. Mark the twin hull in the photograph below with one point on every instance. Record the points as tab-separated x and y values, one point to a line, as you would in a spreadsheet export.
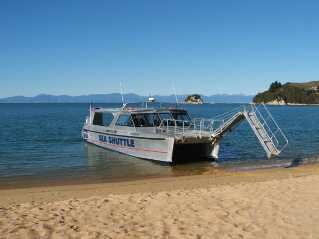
163	149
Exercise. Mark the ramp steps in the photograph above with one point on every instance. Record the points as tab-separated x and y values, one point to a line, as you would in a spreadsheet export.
263	136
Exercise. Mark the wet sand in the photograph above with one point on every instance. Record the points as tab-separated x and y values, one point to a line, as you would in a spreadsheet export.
268	203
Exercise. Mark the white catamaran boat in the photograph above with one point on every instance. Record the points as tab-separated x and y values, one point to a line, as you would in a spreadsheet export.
168	134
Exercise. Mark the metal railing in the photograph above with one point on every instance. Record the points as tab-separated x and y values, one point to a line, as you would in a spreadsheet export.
199	126
274	132
173	127
196	127
221	122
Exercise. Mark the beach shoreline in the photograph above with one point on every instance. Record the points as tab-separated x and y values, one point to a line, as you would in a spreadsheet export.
242	204
24	193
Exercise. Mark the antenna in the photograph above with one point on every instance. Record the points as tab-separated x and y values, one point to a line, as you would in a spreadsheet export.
90	115
122	94
176	99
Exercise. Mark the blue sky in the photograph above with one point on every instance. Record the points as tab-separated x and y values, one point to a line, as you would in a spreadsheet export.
208	47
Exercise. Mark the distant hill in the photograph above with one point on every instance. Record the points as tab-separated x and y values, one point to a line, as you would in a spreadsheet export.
116	97
194	99
290	93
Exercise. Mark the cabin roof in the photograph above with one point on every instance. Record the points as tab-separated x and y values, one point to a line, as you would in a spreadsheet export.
137	110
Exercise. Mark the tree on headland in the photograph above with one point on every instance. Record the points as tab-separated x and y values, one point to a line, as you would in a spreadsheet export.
274	86
295	93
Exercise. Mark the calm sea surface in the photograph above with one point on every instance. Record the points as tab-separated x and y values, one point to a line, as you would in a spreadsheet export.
41	143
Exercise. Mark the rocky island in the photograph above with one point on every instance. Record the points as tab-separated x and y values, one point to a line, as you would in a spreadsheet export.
290	93
194	99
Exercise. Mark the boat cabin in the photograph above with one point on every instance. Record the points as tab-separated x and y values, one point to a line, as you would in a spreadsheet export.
142	118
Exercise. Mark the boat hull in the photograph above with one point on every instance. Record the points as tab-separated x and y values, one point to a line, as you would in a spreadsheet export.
158	149
192	152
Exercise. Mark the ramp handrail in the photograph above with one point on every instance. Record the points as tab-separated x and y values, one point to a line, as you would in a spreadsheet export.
227	122
275	132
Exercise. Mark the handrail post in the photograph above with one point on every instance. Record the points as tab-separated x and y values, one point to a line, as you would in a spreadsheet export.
183	127
175	127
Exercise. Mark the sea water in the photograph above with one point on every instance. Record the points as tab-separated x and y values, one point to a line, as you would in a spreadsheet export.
41	143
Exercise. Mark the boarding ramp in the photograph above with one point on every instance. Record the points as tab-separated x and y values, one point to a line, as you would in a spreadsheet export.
264	126
267	131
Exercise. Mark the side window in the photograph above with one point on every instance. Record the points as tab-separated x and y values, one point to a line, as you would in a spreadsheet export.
139	120
152	119
181	116
124	120
146	120
167	119
98	119
165	116
107	118
157	120
102	119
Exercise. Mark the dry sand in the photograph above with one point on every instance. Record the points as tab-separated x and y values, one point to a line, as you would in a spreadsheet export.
272	203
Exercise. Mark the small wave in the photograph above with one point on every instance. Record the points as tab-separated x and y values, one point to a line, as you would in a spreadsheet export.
282	163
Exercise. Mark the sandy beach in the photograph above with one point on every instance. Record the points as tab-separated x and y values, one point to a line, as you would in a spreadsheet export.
269	203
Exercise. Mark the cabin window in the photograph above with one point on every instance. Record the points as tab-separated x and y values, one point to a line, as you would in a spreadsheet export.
124	120
102	118
167	119
183	116
146	120
153	119
165	116
98	119
107	118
